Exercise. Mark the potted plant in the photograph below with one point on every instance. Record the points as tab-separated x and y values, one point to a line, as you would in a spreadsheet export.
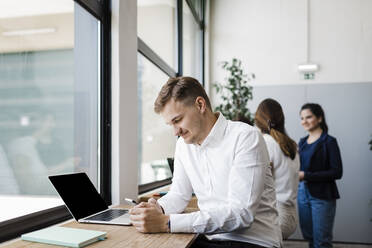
235	92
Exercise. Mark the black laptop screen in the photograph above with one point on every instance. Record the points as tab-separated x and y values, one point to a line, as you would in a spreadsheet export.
79	194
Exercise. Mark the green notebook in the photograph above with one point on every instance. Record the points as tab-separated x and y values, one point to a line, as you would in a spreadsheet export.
65	236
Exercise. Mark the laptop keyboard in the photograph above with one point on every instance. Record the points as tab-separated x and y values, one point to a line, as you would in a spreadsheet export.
108	215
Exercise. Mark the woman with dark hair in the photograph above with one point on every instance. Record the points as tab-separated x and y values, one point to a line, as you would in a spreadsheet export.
321	165
284	159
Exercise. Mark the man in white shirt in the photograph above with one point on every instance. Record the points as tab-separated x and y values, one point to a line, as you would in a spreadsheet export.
226	165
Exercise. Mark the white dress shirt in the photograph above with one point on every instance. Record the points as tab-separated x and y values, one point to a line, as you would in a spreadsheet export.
231	177
285	174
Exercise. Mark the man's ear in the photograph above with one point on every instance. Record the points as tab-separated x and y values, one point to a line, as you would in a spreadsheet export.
200	104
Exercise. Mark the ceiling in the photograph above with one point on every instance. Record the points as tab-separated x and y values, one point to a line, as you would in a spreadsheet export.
36	25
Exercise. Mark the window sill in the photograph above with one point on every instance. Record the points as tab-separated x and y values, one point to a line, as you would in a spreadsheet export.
144	188
16	227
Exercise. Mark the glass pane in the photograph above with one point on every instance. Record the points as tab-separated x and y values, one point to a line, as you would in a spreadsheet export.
48	99
197	5
192	44
157	28
156	138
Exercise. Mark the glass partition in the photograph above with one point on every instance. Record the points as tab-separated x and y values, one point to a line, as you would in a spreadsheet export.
49	78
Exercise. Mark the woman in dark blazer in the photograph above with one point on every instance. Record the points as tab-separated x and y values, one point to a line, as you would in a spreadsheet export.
321	165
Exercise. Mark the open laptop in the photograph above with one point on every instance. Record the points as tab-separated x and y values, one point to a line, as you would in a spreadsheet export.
85	203
171	164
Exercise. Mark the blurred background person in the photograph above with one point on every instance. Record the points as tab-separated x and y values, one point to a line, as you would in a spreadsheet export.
321	165
8	182
38	153
269	118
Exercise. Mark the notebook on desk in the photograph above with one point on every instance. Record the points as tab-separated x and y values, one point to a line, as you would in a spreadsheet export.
85	203
64	236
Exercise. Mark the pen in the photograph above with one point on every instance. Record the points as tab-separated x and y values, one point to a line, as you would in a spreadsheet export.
131	201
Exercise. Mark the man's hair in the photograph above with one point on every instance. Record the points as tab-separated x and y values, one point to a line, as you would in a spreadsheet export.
183	89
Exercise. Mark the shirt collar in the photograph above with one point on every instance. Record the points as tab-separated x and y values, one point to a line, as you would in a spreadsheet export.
217	132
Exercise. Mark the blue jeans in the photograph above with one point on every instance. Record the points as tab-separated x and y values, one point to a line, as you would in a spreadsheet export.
316	218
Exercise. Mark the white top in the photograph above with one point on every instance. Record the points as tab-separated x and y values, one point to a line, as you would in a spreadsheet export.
231	177
27	166
8	182
285	172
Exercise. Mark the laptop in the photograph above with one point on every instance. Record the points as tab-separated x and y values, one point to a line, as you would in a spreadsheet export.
171	164
84	202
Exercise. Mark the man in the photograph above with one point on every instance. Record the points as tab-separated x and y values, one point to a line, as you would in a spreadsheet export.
226	165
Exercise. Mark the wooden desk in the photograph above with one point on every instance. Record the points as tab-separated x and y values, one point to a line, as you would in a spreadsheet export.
119	237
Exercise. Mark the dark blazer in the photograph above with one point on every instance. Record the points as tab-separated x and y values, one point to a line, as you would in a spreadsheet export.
324	168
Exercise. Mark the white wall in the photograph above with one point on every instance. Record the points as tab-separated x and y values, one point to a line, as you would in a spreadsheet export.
270	38
349	122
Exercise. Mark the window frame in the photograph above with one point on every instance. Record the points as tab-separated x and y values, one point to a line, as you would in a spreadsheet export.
13	228
154	58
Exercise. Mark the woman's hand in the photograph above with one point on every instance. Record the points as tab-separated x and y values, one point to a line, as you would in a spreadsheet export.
301	175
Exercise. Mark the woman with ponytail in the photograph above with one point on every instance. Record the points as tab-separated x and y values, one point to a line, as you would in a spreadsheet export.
284	160
321	165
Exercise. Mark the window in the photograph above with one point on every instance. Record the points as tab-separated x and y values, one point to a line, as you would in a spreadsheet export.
157	28
153	166
168	31
51	87
192	48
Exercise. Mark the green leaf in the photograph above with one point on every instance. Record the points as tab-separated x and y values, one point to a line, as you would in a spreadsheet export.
235	92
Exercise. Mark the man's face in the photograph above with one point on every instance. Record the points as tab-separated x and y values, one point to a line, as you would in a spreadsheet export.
186	120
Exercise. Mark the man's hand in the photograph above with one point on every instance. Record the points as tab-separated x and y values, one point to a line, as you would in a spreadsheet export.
148	217
157	205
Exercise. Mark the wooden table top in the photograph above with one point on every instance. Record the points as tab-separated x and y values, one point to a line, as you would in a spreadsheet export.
120	236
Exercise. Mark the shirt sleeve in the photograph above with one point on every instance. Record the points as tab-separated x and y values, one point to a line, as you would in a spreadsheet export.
180	193
245	187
